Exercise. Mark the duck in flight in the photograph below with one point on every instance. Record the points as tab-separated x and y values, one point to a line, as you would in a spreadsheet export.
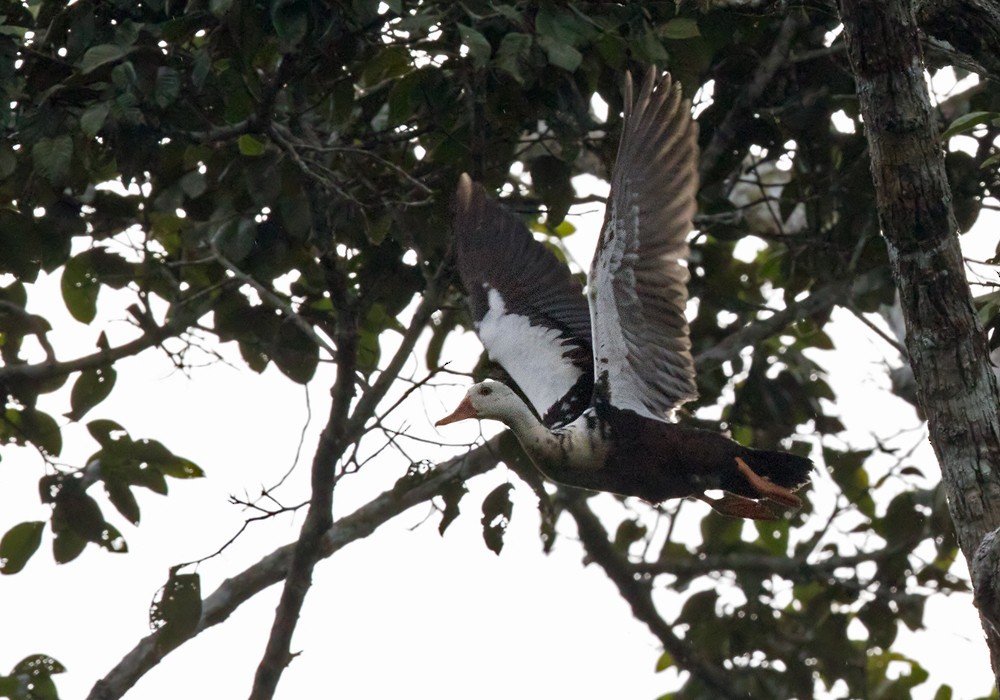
604	371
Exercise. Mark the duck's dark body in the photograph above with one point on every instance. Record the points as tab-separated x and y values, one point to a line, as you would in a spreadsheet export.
656	461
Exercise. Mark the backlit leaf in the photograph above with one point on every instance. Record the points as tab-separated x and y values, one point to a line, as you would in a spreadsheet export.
90	389
251	146
122	498
968	122
497	509
97	56
559	54
452	495
175	612
478	45
680	28
38	665
93	119
18	544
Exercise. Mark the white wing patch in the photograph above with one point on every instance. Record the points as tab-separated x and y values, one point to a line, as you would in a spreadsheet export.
531	354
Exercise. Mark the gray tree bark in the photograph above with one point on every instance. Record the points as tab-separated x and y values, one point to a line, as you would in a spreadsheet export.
944	339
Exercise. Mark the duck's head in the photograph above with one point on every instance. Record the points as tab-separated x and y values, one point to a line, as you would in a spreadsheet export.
485	400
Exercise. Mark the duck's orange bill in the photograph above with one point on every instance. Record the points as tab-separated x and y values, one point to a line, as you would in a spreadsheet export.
464	410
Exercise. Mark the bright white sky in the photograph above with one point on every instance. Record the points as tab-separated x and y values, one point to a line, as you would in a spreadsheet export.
405	613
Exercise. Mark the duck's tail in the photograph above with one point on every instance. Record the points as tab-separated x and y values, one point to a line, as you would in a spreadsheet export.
780	468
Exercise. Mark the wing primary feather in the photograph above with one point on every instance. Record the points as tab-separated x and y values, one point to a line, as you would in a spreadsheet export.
526	306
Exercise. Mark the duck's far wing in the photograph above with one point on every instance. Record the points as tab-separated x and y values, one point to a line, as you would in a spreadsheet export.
528	310
638	282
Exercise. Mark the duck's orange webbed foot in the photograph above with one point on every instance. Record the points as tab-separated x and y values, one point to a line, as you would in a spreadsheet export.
734	506
767	489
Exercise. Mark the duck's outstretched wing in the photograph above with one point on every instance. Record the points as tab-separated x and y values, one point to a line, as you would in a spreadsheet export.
528	309
638	282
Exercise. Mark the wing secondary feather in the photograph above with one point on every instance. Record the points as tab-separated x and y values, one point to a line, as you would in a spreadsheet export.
638	280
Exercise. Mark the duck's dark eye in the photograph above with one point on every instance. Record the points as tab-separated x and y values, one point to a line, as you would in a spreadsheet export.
485	391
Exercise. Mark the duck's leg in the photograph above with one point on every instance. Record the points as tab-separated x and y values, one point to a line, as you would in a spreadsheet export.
767	489
734	506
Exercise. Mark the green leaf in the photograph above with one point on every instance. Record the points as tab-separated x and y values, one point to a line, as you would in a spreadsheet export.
235	239
8	160
167	88
78	511
560	54
67	546
296	354
154	454
219	7
18	544
111	540
452	494
679	28
93	119
479	46
551	178
106	432
38	665
52	157
629	531
513	53
90	389
497	509
80	288
968	122
152	479
250	146
291	21
97	56
665	661
41	430
121	497
390	62
175	612
943	693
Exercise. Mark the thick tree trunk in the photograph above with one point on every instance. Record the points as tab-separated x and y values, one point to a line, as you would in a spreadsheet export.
945	341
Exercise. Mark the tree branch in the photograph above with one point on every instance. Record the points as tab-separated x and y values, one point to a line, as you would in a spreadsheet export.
970	26
638	593
102	358
714	158
751	334
429	303
319	518
233	592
